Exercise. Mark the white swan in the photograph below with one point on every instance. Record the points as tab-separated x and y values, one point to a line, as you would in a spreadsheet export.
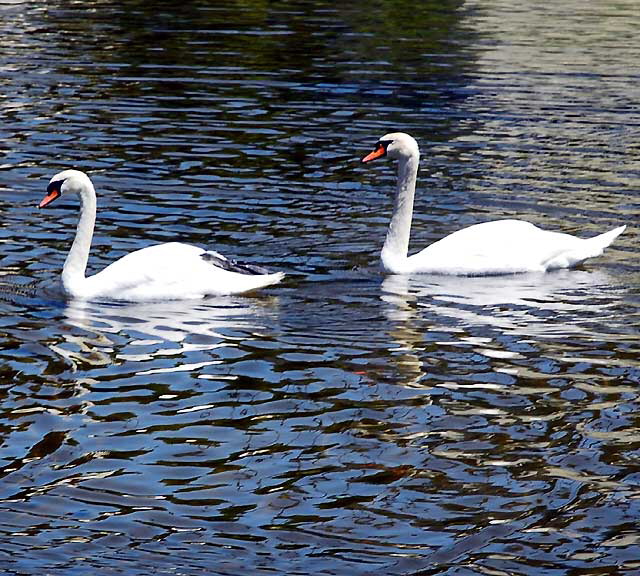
171	271
498	247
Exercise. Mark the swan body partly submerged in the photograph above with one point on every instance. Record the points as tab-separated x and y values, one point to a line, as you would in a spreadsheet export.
490	248
170	271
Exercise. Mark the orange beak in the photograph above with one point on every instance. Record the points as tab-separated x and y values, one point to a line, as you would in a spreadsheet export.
379	151
50	197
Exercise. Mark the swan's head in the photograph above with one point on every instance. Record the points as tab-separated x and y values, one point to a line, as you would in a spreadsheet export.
65	181
395	145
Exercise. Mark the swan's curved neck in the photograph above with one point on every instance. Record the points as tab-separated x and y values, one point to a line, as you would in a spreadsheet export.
75	266
396	245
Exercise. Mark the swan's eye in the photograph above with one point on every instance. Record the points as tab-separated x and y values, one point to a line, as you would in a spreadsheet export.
55	187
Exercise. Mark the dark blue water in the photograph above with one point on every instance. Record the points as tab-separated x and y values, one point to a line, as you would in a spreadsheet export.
341	422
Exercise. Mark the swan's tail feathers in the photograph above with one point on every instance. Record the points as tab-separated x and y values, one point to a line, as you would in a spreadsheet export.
238	276
592	247
250	283
274	278
598	243
582	250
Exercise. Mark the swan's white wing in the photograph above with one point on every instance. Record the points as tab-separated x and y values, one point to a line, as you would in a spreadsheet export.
506	247
174	271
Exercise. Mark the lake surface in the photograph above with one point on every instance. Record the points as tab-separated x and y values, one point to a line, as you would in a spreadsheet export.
341	422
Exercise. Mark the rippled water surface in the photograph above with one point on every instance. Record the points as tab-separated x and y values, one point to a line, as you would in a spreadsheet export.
341	422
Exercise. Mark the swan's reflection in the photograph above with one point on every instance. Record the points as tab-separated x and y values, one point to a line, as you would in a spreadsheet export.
494	315
552	304
104	333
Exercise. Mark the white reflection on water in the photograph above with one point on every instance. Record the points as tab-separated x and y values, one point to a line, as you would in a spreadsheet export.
172	320
502	319
113	332
551	305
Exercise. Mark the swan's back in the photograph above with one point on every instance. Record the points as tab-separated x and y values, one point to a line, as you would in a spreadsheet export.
171	271
507	247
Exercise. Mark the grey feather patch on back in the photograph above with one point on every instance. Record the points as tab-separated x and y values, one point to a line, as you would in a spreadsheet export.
232	265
